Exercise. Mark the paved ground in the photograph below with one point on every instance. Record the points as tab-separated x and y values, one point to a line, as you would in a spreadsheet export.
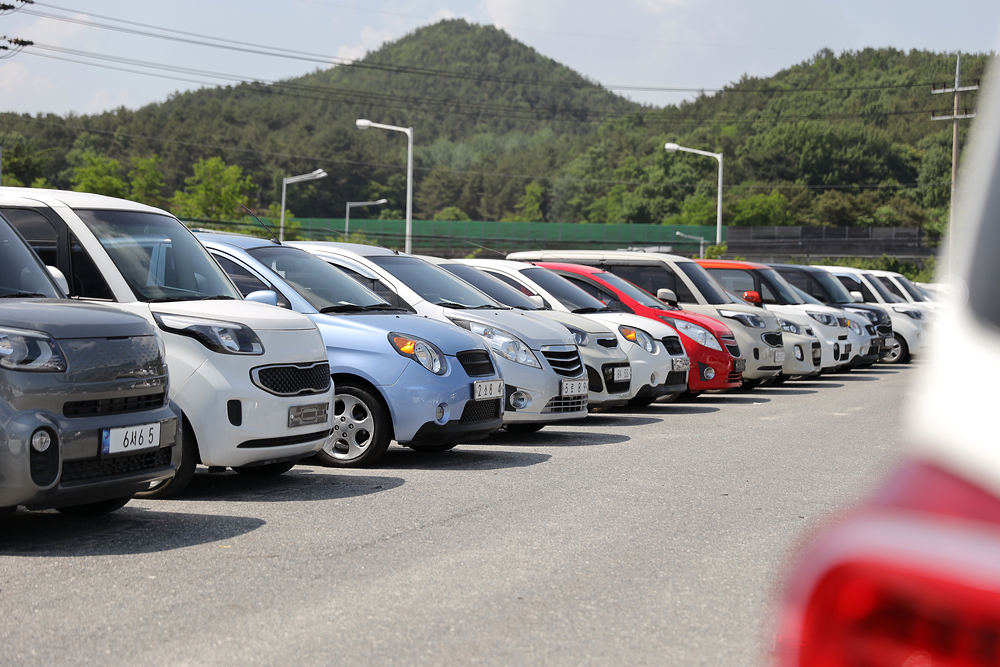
650	538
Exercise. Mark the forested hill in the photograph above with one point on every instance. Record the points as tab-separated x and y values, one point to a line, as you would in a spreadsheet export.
502	131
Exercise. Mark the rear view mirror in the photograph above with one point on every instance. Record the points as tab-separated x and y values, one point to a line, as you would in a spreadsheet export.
537	300
750	296
60	279
858	297
263	296
664	294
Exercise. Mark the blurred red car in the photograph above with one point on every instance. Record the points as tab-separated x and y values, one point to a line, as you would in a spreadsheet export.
716	362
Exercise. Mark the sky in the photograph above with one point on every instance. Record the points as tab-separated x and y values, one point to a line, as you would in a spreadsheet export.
682	44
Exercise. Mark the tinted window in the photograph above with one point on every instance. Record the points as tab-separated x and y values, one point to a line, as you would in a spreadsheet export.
705	283
891	286
568	294
652	277
494	287
633	292
433	283
734	280
315	281
831	290
852	284
604	296
880	288
36	229
20	271
247	282
911	289
87	281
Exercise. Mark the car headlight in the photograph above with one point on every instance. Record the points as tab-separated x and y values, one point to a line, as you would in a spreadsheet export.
579	335
790	327
915	314
23	350
221	337
639	337
746	319
503	343
421	351
867	314
698	334
854	326
824	318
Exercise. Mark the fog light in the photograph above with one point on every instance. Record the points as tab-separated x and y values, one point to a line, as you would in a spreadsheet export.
836	351
798	353
41	440
439	412
519	400
652	379
709	373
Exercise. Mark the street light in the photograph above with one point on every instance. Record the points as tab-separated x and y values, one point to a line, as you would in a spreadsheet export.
347	217
311	176
673	148
363	124
701	243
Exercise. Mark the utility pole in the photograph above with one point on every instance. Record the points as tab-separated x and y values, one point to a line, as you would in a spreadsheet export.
955	117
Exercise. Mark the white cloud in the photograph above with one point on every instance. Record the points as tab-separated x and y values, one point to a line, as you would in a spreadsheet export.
13	75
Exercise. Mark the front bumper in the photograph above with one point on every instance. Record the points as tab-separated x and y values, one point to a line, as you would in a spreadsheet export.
760	358
798	354
542	387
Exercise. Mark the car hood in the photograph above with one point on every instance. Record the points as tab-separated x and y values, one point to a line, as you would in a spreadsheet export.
718	328
257	316
592	327
534	331
653	327
65	319
449	339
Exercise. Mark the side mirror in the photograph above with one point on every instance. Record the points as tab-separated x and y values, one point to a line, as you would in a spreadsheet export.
537	300
753	297
858	297
263	296
60	279
667	295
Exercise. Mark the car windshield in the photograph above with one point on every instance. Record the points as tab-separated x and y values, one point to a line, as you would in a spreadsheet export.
493	287
778	284
888	296
911	289
805	298
434	283
565	292
703	282
158	257
639	295
21	274
833	287
323	286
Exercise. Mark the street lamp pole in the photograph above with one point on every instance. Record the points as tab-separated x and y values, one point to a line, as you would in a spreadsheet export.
347	216
311	176
364	124
673	148
699	239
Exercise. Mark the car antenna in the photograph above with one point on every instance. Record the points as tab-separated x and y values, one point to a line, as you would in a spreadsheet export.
273	237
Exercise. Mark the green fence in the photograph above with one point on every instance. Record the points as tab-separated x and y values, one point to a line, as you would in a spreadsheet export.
462	238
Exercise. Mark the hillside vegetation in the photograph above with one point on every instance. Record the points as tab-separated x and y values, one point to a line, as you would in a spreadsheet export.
502	132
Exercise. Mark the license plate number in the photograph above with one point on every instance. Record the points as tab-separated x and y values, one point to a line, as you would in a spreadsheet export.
623	373
739	365
779	355
680	364
486	389
130	438
574	387
307	415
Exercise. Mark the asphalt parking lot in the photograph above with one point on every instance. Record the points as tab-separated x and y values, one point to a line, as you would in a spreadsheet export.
645	538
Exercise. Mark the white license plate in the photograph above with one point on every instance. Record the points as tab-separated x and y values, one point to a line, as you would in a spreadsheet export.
779	356
307	415
130	438
574	387
486	389
680	364
623	373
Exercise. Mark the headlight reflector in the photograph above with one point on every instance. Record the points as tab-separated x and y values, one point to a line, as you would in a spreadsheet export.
825	319
423	352
24	350
639	337
746	319
579	335
790	327
505	344
221	337
698	334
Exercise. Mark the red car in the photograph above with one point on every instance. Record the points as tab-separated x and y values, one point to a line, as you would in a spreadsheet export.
708	342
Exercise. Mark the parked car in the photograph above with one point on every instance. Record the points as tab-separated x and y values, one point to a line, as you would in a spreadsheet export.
609	372
252	381
901	288
863	336
912	576
83	396
716	361
654	348
757	332
544	377
426	384
908	320
821	285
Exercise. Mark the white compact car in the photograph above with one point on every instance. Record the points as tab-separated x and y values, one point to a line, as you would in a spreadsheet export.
544	376
901	288
252	381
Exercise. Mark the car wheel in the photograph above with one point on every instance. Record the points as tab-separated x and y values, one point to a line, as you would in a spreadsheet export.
362	429
185	469
432	449
524	428
95	509
669	398
267	470
899	353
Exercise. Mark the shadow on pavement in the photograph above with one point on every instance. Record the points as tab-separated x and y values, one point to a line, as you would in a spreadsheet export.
624	418
783	391
130	530
748	398
301	483
461	458
685	409
554	438
813	385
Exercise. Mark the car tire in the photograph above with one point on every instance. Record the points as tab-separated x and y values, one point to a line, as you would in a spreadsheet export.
669	398
899	353
95	509
433	449
267	470
185	469
524	428
362	429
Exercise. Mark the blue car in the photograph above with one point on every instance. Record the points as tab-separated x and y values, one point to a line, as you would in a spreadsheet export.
397	376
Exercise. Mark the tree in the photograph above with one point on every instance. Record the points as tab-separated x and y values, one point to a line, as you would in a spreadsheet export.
98	174
530	207
146	180
451	213
23	159
214	192
761	211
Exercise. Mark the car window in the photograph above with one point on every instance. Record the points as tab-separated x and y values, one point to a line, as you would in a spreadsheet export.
891	286
567	293
652	277
20	270
635	293
246	282
606	298
772	281
514	284
433	283
886	295
831	290
911	289
488	283
86	280
38	231
705	284
734	280
852	284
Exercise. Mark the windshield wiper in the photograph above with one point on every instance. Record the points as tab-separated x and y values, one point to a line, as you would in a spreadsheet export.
343	308
21	295
217	297
451	304
588	310
489	307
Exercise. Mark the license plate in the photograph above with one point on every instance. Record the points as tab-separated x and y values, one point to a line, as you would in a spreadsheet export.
681	364
130	438
739	365
486	389
623	373
306	415
779	356
574	387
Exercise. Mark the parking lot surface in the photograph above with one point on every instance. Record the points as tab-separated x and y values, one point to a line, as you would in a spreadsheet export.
644	538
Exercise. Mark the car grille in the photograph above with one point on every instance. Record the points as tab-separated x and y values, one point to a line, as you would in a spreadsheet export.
772	338
480	411
609	374
293	379
565	360
675	377
673	344
884	329
731	345
817	352
608	342
110	406
476	363
106	359
562	404
96	468
596	384
870	328
284	441
734	376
